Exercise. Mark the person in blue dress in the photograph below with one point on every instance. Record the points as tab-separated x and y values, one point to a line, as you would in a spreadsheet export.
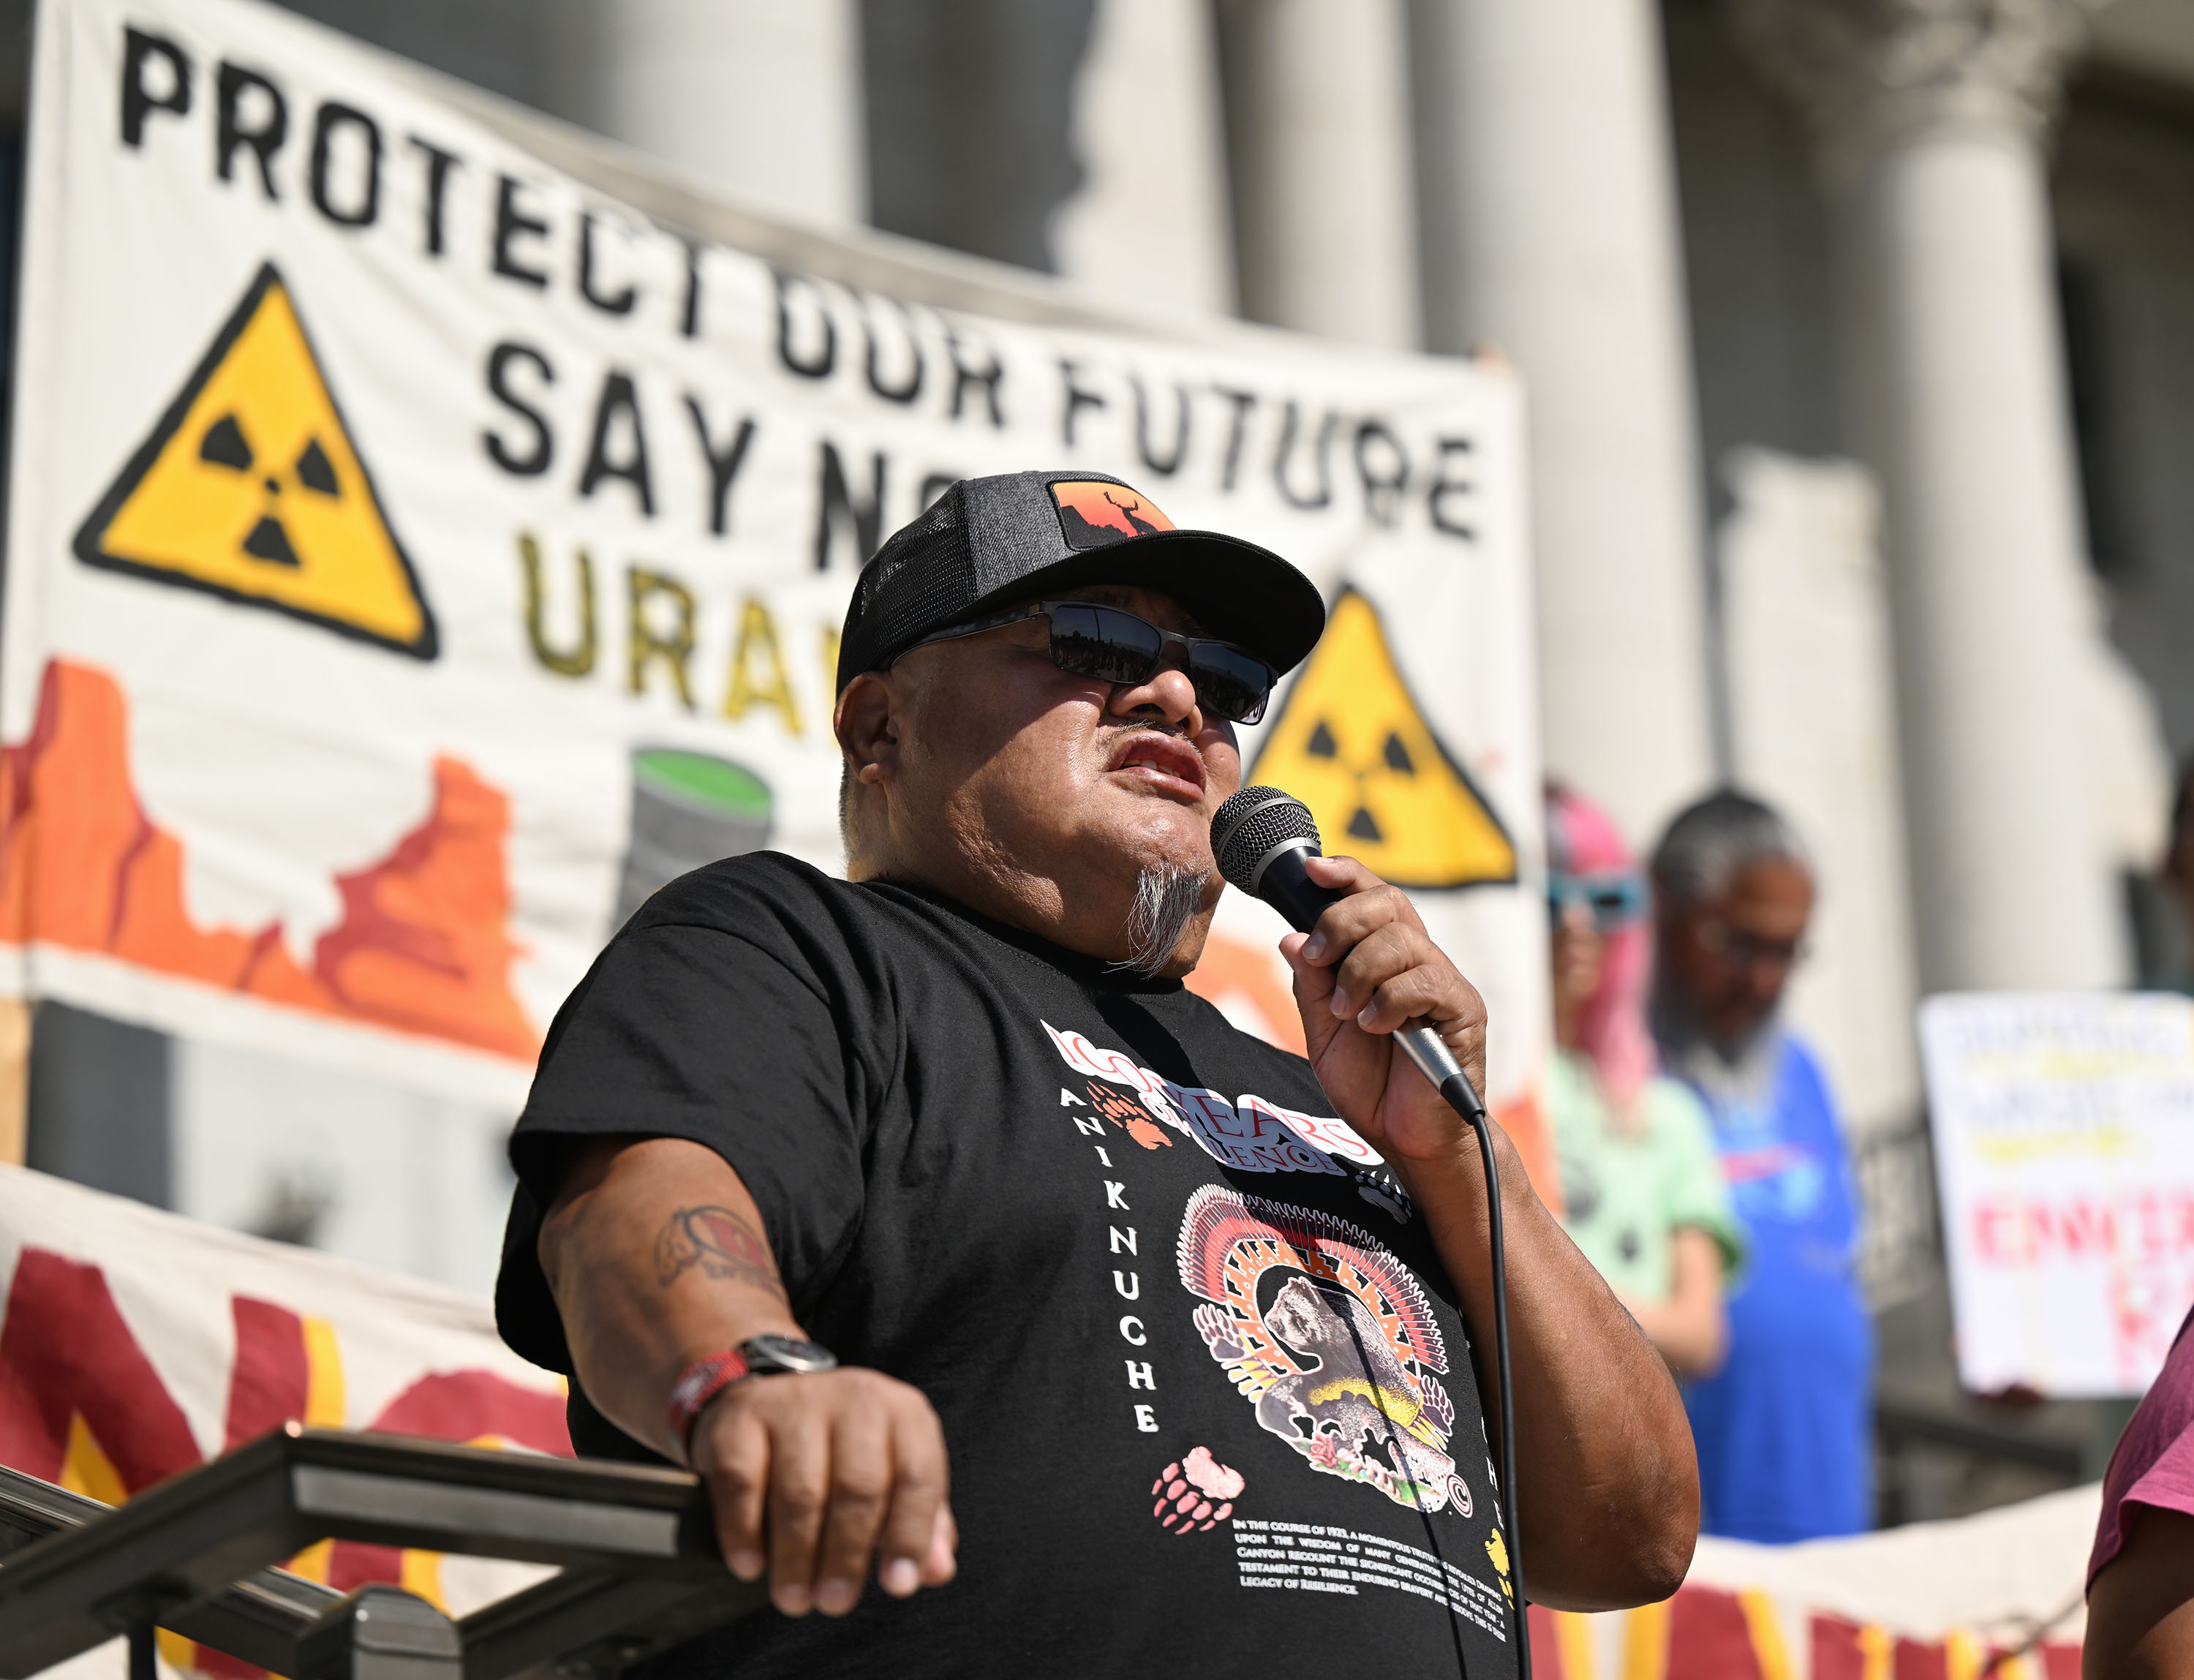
1783	1429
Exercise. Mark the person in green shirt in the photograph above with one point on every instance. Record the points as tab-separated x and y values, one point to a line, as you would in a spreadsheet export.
1646	1200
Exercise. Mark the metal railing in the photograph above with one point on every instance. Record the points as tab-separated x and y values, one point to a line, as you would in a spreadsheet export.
639	1567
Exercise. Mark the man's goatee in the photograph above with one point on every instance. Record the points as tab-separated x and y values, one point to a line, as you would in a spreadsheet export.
1166	899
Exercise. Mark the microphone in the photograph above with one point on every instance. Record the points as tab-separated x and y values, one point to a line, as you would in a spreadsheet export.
1261	839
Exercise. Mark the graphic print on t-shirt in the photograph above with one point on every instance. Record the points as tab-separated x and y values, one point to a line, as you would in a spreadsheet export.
1339	1359
1124	1114
1326	1332
1196	1491
1250	1133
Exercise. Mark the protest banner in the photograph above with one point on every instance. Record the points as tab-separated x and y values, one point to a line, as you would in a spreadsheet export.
2063	1129
419	552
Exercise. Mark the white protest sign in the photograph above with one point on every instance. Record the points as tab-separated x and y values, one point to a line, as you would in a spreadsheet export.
417	553
2063	1129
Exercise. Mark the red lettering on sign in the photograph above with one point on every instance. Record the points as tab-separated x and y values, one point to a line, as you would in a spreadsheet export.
466	1405
271	1378
66	1352
2080	1228
2000	1234
1708	1638
2147	1225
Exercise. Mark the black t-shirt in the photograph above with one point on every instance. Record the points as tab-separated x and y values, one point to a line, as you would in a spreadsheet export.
1210	1402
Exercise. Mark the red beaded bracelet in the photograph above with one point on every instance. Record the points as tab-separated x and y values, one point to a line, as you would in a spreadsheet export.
703	1381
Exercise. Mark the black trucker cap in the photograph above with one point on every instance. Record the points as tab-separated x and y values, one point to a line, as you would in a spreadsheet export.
987	543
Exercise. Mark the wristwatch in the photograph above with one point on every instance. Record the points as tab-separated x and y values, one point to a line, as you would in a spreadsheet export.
766	1353
756	1356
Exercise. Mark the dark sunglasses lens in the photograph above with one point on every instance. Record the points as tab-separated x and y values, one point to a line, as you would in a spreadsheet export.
1611	908
1232	684
1104	644
1109	645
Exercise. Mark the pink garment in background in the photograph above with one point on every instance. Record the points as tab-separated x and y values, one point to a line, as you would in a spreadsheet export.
1583	839
2154	1463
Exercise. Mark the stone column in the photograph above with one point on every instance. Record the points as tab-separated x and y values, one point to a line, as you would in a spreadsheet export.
1318	102
760	98
1151	221
1929	116
1549	224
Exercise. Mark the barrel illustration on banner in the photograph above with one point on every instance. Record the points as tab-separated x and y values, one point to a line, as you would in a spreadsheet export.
688	809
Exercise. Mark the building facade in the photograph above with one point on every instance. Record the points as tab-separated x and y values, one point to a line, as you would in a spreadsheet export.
1857	337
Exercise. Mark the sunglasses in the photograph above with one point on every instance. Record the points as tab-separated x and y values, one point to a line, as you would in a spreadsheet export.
1615	899
1107	644
1749	951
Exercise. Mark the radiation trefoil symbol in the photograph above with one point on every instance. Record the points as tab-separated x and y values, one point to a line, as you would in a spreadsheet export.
1352	743
249	488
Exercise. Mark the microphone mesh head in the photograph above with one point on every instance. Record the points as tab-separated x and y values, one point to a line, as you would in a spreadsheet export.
1250	825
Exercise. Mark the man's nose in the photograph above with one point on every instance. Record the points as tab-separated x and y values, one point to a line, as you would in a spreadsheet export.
1168	691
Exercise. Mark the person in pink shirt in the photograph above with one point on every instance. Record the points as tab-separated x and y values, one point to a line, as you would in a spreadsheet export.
2140	1575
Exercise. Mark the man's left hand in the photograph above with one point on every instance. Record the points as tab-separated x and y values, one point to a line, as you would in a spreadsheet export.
1368	968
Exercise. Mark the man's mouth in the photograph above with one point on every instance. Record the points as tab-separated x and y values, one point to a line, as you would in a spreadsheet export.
1166	762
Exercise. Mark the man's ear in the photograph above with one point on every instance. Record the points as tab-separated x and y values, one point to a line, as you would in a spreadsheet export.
866	724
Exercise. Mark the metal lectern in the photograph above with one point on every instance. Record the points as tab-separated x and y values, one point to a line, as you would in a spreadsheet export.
640	1570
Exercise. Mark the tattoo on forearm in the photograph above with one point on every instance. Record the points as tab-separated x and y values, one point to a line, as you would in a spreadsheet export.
721	1243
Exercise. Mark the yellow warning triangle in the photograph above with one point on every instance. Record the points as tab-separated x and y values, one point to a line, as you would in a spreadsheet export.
1351	742
250	488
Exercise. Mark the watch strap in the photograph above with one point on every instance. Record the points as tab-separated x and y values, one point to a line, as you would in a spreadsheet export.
701	1382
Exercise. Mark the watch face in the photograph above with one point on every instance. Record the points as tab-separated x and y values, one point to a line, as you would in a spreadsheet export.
787	1353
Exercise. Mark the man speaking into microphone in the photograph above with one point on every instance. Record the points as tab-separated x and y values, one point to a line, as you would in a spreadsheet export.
1022	1315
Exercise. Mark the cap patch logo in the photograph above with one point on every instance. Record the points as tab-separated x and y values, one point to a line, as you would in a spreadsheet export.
1093	513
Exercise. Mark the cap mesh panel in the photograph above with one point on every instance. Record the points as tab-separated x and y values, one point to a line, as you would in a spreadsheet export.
916	583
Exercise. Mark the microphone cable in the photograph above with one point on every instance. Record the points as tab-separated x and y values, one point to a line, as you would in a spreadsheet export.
1466	1101
1260	839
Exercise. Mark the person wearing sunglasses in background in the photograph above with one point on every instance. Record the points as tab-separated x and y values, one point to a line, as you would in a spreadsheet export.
840	1191
1642	1189
1784	1428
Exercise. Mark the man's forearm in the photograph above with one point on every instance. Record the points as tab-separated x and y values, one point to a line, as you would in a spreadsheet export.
1608	1483
657	1257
